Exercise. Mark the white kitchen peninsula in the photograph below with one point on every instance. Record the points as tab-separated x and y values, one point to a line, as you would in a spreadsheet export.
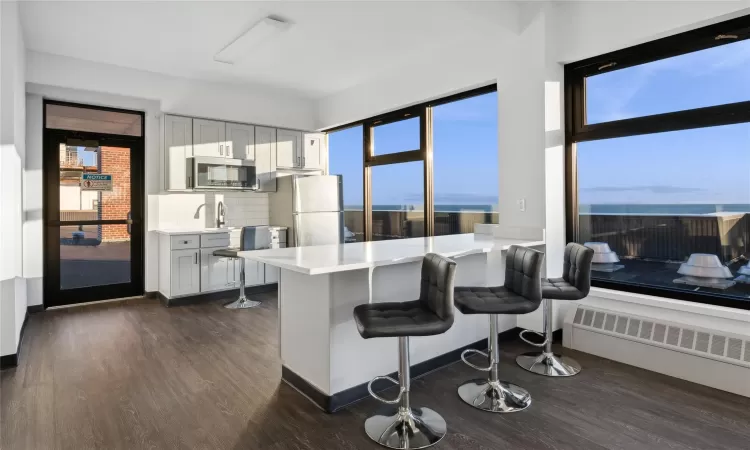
319	287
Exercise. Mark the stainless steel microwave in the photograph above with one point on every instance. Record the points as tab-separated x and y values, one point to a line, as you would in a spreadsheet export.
205	172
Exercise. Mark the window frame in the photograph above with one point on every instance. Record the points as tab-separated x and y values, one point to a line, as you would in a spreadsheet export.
424	153
577	130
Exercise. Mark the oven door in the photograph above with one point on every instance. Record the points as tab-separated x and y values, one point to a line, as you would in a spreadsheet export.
223	173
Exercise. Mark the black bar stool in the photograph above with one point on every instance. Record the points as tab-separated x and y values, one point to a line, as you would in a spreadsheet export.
404	427
251	238
520	294
574	285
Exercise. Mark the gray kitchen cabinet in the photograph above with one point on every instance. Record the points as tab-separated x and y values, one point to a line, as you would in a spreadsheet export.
217	272
265	158
240	141
268	148
288	149
272	273
209	138
178	146
254	273
184	272
313	154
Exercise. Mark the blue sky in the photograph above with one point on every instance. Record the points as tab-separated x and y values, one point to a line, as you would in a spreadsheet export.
707	165
465	157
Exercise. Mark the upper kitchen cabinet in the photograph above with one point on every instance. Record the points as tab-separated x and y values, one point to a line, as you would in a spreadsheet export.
288	149
268	149
209	138
314	153
240	141
265	158
178	145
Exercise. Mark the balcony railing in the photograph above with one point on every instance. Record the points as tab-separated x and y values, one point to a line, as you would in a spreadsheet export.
407	224
649	237
670	237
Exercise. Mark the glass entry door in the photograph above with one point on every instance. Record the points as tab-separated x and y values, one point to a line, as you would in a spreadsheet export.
93	217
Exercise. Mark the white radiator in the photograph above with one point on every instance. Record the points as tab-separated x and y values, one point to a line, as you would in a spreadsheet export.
707	356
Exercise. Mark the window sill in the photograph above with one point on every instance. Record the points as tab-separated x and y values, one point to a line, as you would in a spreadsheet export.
681	306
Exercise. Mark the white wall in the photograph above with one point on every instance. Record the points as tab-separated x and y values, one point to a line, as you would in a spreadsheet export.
241	103
73	199
595	28
12	155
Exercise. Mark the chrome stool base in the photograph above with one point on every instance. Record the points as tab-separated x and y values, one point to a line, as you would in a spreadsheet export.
406	428
491	394
494	396
242	303
549	364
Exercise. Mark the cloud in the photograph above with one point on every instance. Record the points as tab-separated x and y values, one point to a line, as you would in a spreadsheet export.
655	189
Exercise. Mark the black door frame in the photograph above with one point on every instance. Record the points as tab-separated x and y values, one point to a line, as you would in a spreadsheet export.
52	294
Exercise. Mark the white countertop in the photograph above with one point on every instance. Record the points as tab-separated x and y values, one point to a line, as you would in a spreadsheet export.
321	259
177	232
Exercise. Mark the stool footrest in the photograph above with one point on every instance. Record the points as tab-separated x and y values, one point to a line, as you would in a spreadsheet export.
542	344
472	351
379	398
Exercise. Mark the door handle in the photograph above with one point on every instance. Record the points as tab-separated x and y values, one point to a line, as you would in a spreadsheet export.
196	256
221	149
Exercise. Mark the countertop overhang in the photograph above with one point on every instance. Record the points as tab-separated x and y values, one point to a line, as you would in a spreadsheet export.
323	259
178	232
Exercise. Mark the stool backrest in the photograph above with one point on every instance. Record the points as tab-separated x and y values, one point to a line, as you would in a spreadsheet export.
577	266
255	238
436	290
523	272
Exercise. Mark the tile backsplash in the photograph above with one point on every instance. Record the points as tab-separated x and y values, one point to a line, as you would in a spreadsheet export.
199	209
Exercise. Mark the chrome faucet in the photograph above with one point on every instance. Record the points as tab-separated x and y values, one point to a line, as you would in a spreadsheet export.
221	215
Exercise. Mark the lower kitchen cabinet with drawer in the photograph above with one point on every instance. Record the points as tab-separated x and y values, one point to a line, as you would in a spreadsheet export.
188	267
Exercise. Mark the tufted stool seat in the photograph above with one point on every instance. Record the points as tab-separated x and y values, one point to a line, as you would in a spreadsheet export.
394	319
404	427
491	300
573	285
521	293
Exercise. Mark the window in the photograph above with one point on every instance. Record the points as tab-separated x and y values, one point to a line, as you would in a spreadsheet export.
345	156
95	120
398	201
710	77
426	170
465	164
659	161
396	137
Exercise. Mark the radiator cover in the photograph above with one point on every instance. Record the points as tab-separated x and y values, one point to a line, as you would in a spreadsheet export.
706	356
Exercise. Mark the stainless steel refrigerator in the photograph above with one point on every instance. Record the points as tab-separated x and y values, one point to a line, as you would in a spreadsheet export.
311	206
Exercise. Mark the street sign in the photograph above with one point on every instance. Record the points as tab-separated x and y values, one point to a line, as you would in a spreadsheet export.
96	182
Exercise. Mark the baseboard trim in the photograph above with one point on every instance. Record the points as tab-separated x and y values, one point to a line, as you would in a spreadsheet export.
343	399
10	361
212	296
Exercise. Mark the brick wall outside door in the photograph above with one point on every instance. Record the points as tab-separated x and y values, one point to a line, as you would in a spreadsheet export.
115	205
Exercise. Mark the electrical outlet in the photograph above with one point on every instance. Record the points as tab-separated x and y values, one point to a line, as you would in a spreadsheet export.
522	205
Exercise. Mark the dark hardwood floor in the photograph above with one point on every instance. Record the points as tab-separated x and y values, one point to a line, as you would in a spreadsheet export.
137	375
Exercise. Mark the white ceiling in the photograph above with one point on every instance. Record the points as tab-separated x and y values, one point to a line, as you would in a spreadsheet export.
330	47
